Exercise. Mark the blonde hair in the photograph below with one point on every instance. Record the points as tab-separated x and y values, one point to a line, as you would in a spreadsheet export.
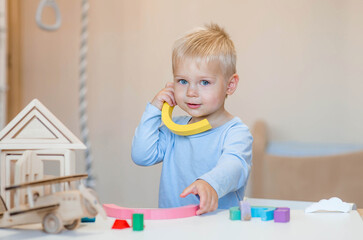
209	43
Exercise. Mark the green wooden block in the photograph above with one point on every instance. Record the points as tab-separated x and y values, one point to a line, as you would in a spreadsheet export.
137	221
234	213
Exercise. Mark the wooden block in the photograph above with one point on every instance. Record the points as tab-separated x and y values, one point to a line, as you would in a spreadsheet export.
87	219
265	213
256	211
282	215
120	224
137	221
234	213
268	214
245	210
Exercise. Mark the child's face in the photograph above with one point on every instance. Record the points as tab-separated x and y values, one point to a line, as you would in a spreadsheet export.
200	89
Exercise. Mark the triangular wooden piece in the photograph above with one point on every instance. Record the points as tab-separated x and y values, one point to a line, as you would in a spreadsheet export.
35	127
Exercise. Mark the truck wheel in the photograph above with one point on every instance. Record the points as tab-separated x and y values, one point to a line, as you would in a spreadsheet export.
75	224
52	223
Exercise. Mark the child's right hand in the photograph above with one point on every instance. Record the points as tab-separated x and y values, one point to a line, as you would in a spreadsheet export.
165	95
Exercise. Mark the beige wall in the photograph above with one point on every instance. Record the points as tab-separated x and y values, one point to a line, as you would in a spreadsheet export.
300	64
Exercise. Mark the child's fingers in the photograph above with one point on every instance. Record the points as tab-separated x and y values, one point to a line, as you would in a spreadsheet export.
207	196
205	201
191	189
169	88
213	204
208	201
166	96
171	98
206	209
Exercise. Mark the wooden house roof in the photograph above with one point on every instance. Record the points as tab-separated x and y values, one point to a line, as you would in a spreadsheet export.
35	127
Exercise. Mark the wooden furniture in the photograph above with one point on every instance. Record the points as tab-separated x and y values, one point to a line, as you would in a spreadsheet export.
36	129
304	178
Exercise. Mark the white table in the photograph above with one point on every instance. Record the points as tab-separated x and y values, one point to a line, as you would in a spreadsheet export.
217	226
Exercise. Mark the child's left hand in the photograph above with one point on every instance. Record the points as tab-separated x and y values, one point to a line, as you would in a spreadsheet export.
208	196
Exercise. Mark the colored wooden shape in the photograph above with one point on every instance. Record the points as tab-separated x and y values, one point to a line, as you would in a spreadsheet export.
137	221
87	219
120	224
115	211
234	213
245	210
184	130
267	214
256	211
282	215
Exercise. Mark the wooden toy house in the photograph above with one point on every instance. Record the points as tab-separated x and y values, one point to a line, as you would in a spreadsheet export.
38	142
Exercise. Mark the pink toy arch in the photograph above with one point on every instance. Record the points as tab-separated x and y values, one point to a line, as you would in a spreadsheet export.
115	211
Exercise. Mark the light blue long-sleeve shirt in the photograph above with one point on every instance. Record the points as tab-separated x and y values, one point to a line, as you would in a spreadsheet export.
220	156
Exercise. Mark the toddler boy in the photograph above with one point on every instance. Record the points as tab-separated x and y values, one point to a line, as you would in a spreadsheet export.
209	168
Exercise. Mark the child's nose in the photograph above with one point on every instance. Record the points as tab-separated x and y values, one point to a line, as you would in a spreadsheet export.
192	91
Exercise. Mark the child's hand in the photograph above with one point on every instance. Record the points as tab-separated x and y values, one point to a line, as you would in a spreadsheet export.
208	196
165	95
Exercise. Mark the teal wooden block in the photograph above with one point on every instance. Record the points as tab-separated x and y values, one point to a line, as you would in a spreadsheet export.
234	213
86	219
268	214
256	211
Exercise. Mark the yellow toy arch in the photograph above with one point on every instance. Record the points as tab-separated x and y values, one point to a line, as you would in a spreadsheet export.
183	130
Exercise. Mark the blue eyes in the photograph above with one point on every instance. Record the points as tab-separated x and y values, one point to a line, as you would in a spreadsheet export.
183	81
203	82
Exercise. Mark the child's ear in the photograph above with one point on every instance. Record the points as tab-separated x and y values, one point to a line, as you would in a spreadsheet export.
232	84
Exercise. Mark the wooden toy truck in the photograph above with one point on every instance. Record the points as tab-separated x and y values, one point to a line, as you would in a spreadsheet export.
62	205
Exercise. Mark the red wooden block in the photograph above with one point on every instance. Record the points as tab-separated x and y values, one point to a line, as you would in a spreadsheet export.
120	224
